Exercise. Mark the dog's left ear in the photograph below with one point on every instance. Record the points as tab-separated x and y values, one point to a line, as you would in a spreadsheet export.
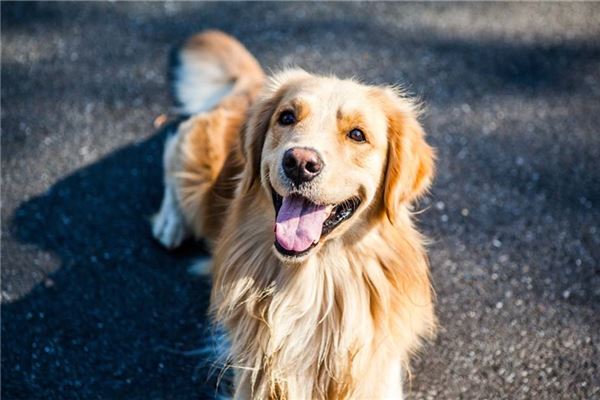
410	160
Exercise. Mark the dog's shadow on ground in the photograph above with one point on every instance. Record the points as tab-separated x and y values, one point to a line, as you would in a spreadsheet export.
106	321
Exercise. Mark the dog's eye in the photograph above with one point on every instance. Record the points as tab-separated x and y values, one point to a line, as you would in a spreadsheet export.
287	118
357	135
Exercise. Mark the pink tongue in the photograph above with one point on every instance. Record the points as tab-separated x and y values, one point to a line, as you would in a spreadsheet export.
299	223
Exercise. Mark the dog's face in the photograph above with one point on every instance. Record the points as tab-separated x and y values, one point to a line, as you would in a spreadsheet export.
332	154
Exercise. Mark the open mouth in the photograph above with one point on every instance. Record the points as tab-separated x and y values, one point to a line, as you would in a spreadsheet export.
300	224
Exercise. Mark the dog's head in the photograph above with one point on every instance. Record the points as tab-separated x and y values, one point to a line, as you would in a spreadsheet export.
332	154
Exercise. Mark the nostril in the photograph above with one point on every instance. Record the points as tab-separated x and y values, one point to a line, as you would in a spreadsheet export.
289	162
313	167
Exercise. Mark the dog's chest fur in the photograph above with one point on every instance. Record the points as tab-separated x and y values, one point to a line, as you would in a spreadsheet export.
318	329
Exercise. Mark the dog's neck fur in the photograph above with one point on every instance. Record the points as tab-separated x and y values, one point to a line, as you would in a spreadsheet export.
318	328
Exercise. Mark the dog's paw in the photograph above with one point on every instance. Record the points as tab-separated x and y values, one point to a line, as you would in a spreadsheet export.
201	267
168	226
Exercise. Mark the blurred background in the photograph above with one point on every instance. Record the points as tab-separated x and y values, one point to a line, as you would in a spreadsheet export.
93	308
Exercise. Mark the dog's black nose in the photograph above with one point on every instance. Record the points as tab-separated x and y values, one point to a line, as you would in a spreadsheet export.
301	164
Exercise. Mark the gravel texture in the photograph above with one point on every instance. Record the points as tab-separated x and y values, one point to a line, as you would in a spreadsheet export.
92	308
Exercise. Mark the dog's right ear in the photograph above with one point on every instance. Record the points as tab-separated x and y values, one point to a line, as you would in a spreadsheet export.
260	115
254	133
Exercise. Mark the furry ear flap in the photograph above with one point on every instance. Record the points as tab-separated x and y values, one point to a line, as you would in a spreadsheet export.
255	129
410	161
254	133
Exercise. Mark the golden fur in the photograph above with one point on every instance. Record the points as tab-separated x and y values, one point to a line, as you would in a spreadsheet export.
341	321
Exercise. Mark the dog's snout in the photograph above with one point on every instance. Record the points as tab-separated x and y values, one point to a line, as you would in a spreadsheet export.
302	164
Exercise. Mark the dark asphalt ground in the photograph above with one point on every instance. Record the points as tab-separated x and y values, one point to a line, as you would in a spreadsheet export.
91	305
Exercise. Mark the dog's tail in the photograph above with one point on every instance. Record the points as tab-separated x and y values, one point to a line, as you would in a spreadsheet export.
210	68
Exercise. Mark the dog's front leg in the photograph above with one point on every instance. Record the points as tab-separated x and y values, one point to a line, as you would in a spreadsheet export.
393	387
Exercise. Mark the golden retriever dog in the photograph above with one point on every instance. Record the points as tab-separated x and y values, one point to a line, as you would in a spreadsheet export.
302	186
